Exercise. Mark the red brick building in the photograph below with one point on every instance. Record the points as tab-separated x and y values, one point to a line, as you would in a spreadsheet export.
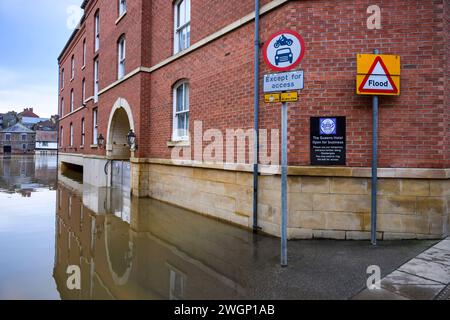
157	67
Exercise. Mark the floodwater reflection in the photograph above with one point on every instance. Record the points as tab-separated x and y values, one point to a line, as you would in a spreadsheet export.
26	174
146	249
129	248
27	227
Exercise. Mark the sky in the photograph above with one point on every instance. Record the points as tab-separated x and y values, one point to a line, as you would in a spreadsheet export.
33	34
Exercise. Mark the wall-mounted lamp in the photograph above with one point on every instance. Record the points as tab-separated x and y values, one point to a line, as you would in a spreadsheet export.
101	141
131	140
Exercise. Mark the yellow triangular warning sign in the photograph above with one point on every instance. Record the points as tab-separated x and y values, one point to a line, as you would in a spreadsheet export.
378	79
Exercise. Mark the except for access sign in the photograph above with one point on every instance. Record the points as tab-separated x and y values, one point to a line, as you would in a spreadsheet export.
286	81
378	74
284	50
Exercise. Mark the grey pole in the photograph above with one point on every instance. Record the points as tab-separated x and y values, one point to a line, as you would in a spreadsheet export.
373	228
256	120
284	124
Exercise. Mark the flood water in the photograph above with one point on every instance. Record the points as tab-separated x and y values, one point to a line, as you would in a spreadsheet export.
145	249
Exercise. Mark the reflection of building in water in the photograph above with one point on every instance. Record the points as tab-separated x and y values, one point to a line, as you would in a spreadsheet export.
147	250
24	174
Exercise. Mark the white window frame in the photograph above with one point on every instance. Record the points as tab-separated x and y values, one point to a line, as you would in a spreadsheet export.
122	7
72	66
8	137
71	100
62	107
71	134
83	135
176	136
95	127
23	137
97	31
180	28
84	53
96	75
83	91
121	57
61	138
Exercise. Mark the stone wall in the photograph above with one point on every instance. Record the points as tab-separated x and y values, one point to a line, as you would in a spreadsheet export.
319	207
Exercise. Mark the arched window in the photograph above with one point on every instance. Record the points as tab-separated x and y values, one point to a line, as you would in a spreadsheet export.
71	134
71	100
62	107
61	137
62	78
83	91
121	57
72	66
97	31
96	79
84	53
83	128
181	111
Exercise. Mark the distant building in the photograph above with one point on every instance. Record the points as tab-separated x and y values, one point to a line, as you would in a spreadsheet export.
46	142
8	119
28	113
30	122
47	125
17	139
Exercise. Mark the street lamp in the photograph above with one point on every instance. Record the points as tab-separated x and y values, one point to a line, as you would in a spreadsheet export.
131	140
101	140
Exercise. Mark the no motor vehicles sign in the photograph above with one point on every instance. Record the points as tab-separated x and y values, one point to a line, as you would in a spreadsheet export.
284	50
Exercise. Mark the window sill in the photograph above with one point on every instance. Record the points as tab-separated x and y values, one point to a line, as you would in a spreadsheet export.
178	143
94	146
81	147
121	17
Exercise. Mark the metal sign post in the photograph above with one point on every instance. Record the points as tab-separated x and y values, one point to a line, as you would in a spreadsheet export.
284	124
283	52
373	228
374	172
376	75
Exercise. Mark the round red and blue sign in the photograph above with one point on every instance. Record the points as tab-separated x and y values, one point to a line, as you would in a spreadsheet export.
284	50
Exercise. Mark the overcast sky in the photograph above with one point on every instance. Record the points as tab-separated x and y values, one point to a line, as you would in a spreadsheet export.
33	34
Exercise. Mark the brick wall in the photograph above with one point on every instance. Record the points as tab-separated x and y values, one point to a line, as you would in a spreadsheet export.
413	126
446	32
110	31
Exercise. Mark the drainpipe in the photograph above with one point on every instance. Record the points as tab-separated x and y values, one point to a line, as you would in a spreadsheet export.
256	120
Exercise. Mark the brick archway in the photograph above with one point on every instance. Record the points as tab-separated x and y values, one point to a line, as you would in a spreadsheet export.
119	124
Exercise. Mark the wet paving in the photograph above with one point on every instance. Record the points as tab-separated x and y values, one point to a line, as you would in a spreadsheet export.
129	248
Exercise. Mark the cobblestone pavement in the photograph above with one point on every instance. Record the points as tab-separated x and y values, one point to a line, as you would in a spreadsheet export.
425	277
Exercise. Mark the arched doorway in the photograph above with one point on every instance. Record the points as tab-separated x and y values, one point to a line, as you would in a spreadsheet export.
120	123
118	151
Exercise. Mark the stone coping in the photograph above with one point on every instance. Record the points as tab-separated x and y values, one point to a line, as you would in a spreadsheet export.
356	172
350	172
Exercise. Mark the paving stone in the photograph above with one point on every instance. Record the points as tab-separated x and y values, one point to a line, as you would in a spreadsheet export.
443	245
429	270
411	286
436	255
